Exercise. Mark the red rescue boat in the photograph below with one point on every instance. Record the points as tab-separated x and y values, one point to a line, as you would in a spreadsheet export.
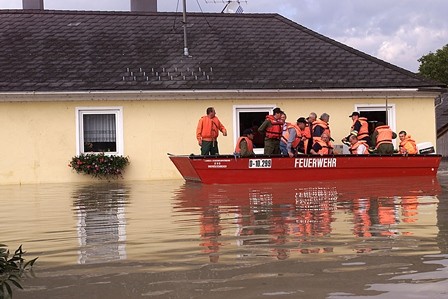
228	169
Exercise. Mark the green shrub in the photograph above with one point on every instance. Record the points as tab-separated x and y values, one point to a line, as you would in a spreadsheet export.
99	165
11	270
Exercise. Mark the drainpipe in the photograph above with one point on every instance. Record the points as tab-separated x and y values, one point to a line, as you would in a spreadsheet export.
33	4
144	5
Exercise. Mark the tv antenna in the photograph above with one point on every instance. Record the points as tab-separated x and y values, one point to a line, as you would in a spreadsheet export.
231	6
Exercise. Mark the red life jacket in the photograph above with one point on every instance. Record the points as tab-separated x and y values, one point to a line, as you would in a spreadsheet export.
250	144
276	128
355	146
325	150
285	136
364	130
384	135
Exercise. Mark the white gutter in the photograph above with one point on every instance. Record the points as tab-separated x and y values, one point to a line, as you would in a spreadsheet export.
213	94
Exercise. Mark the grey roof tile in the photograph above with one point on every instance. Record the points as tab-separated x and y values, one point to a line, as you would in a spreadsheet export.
76	51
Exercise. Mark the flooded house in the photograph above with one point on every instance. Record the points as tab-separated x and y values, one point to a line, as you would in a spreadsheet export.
136	83
442	124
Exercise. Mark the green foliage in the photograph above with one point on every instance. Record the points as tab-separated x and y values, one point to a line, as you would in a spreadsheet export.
435	65
99	165
12	269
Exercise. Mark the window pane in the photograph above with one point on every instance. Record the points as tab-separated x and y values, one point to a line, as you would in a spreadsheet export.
100	133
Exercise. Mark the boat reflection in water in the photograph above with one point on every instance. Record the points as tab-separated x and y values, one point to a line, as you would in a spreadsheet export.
101	224
309	217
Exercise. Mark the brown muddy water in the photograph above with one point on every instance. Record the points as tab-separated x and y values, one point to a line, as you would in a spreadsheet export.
170	239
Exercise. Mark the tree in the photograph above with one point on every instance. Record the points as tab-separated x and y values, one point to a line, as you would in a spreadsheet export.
435	65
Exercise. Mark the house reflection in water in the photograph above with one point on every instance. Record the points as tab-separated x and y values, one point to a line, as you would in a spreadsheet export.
101	223
297	217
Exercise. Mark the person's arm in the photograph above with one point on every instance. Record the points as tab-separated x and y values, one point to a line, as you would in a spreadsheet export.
318	130
222	128
356	127
374	137
316	148
361	149
199	131
292	137
243	149
263	126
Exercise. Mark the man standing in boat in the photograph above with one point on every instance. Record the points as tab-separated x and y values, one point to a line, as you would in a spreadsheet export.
360	128
305	133
207	132
321	126
272	127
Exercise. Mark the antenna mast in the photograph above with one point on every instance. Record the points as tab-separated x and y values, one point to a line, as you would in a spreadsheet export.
184	21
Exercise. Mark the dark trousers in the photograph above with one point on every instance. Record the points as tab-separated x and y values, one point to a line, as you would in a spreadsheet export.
209	148
271	146
385	149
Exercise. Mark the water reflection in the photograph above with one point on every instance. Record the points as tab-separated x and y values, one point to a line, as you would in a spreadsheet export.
101	222
301	218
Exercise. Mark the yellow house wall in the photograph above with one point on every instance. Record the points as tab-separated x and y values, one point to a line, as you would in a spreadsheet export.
39	138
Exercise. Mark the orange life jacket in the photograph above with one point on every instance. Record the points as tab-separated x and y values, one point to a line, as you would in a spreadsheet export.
322	124
384	135
208	128
285	136
325	150
364	130
307	134
355	146
276	128
408	145
250	144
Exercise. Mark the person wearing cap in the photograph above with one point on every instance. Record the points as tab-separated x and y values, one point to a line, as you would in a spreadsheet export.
207	132
382	138
272	127
407	144
305	134
244	145
360	129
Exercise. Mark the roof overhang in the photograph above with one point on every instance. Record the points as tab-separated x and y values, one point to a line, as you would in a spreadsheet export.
248	94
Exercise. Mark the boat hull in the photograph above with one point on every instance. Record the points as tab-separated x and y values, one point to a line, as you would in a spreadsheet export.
272	169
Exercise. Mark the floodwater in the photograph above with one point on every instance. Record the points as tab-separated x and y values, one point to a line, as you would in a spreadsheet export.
383	238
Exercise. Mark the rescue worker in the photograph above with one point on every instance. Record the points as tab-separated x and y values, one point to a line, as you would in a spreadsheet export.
290	138
321	126
272	128
244	145
207	132
360	128
382	138
305	134
358	147
311	119
322	146
407	144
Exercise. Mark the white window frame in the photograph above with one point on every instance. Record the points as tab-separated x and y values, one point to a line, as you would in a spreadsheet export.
390	111
236	119
118	111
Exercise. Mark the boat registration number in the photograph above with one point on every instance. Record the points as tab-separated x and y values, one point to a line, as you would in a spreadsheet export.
260	163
